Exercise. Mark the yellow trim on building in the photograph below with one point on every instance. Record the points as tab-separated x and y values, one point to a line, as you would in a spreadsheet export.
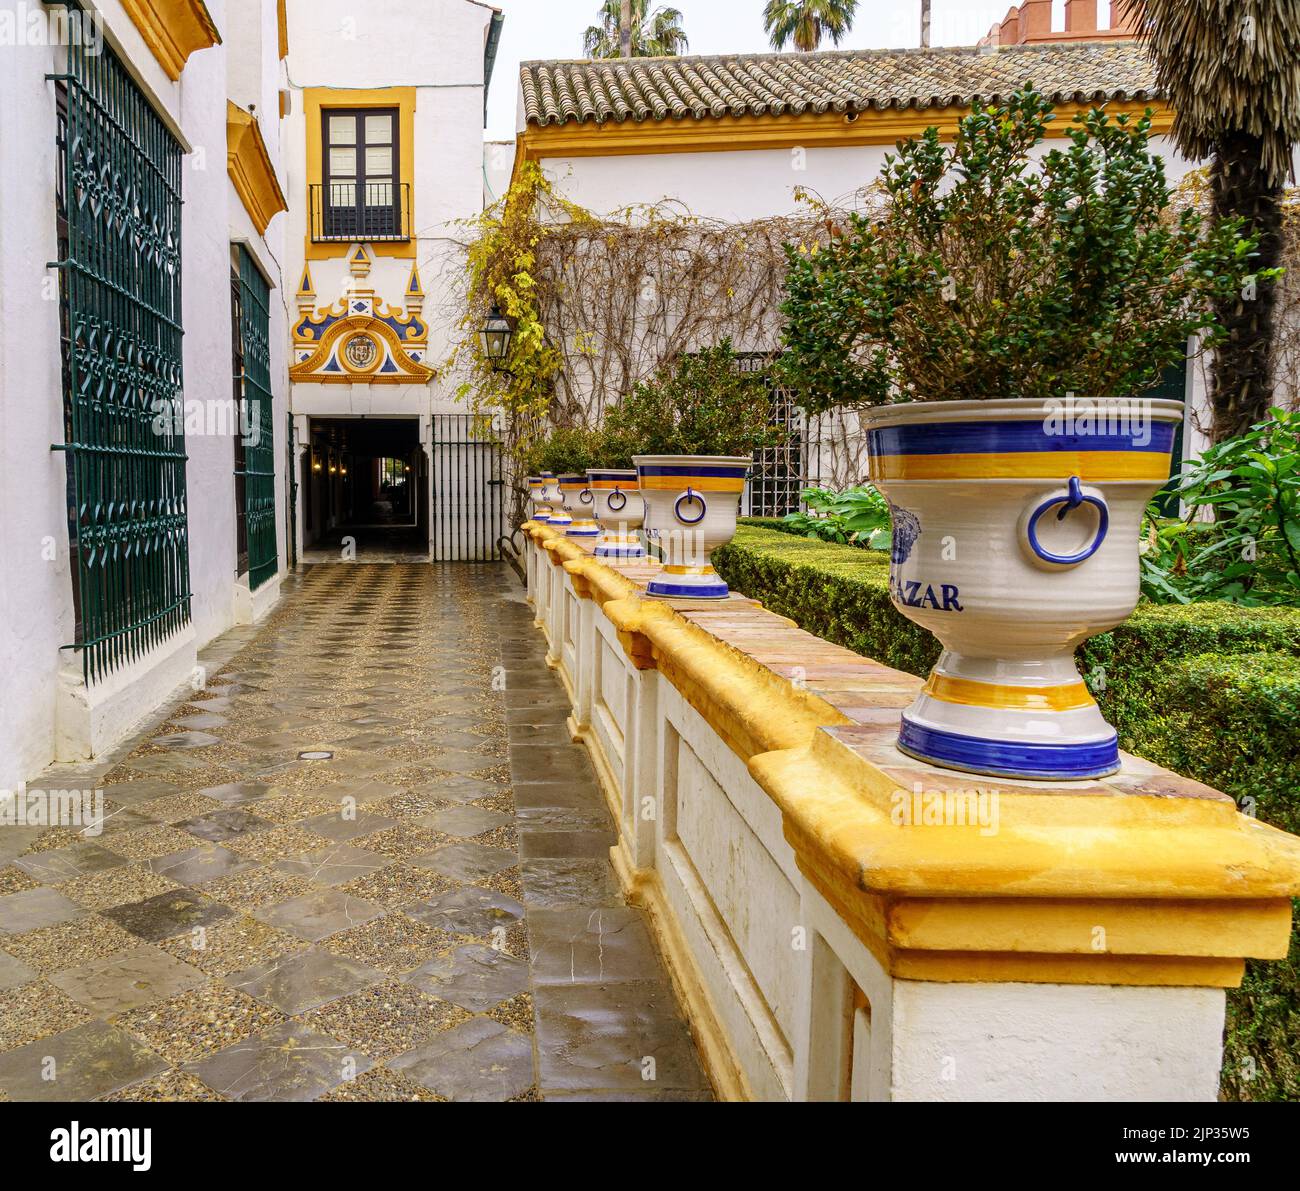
250	168
173	30
282	27
809	131
314	99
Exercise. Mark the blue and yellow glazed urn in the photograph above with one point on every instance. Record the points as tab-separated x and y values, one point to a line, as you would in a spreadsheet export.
691	506
619	511
1016	529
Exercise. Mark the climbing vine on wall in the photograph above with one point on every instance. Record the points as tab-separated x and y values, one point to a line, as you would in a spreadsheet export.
602	303
1286	330
501	255
1194	190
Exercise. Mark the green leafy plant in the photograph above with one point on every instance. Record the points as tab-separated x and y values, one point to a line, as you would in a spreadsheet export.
858	516
700	404
993	271
566	450
1250	552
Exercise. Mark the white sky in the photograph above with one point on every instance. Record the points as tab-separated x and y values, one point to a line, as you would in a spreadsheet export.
554	28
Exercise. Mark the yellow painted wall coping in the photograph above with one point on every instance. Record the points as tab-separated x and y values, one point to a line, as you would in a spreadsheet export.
249	165
1144	878
173	30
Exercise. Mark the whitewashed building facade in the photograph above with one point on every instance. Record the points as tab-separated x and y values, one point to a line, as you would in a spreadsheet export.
178	290
384	146
143	322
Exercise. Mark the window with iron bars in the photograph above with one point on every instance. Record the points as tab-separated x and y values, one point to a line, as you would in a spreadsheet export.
118	196
255	433
779	473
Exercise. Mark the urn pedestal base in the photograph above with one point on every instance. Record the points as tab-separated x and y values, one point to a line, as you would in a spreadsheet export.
1028	719
619	545
688	583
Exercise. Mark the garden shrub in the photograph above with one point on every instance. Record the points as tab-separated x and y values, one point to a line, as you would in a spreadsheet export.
1210	690
1233	721
1249	552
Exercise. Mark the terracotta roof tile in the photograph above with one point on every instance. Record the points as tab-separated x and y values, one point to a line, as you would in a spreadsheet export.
556	92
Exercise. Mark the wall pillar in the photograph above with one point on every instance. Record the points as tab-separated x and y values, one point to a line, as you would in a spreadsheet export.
584	650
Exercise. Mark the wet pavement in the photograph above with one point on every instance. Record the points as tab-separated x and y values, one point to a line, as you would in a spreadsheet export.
424	910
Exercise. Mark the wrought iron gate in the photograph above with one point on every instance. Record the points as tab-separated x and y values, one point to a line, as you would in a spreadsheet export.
468	489
291	485
779	473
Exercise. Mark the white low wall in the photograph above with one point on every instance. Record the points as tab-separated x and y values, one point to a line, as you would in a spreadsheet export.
252	607
786	1000
91	718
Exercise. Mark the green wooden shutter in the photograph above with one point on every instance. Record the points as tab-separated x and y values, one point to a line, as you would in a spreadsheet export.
256	412
1172	387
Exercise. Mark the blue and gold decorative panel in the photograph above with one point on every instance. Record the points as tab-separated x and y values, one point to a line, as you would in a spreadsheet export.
361	339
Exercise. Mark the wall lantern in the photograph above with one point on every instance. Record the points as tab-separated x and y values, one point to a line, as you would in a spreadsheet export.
316	465
495	337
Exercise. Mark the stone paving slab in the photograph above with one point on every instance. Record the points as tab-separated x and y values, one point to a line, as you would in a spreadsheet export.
428	915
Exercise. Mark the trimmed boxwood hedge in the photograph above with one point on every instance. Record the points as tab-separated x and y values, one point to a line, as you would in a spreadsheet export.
1234	721
1208	690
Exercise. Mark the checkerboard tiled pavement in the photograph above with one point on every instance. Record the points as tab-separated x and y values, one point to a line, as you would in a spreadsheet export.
428	915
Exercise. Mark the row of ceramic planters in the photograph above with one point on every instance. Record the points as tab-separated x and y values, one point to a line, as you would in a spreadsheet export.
686	504
1015	539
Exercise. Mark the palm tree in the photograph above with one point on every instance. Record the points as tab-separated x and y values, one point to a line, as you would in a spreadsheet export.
925	24
806	22
658	34
1231	70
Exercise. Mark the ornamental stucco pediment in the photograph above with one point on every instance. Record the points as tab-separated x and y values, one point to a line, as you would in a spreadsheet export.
361	339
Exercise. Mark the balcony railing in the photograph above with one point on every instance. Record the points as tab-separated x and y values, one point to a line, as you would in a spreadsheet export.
346	211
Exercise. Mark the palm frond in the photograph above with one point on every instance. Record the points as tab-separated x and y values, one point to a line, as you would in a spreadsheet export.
1228	66
804	23
657	34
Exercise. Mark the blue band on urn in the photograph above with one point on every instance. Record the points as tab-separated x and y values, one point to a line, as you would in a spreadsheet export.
1012	759
688	591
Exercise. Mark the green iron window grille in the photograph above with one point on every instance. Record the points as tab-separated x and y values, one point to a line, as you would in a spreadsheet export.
255	436
119	218
1172	387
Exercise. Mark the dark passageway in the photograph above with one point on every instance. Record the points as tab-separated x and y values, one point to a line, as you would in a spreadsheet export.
365	489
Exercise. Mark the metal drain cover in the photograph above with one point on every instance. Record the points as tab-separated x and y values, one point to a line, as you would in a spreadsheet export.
319	755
